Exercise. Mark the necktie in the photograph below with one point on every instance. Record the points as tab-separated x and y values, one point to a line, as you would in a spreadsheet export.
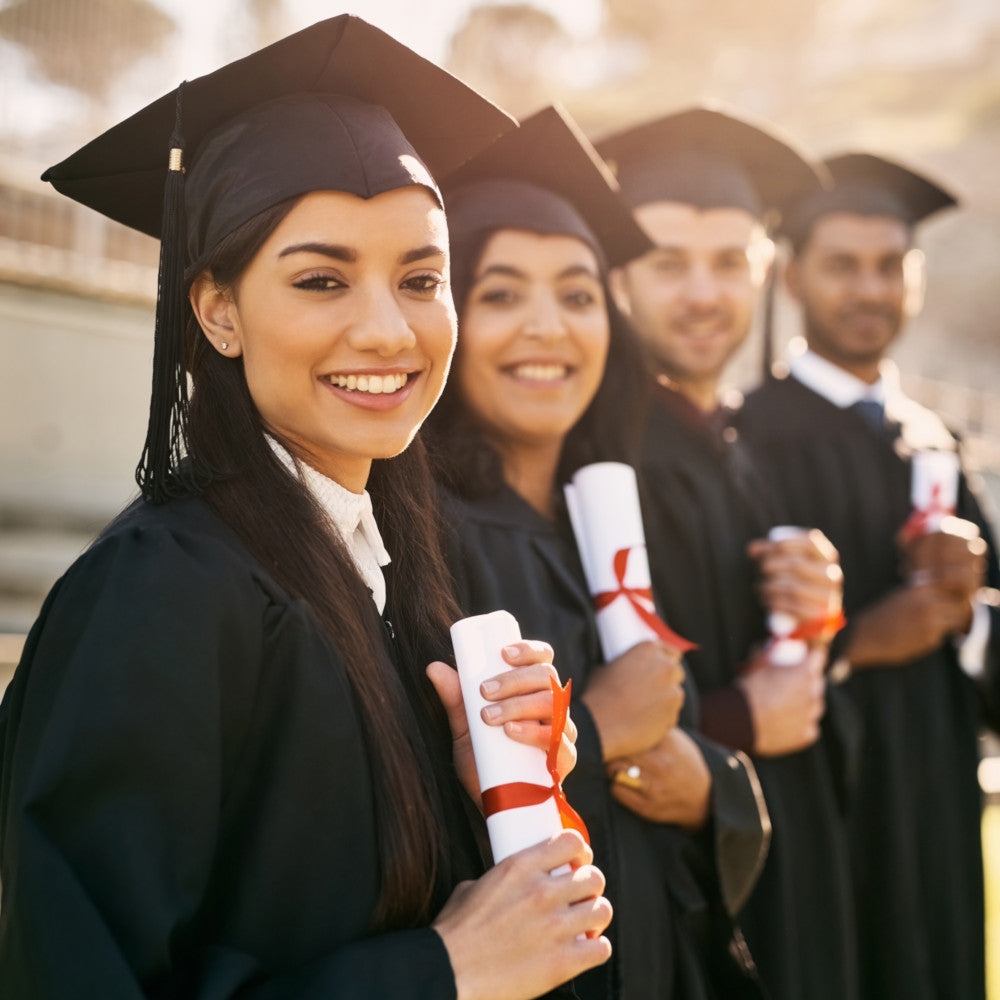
872	412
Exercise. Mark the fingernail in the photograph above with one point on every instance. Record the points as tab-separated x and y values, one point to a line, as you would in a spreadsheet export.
511	650
491	711
489	687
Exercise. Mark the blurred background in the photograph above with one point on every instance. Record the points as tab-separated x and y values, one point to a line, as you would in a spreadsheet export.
917	80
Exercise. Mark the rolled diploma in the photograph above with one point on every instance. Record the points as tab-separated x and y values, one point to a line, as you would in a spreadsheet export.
785	652
499	759
934	472
603	505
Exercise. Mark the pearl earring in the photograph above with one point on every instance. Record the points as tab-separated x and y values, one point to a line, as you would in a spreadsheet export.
224	345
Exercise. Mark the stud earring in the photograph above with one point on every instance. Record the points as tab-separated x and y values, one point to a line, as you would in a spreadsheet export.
225	345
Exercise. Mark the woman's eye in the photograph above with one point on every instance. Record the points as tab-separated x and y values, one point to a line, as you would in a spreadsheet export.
319	283
424	283
580	299
498	297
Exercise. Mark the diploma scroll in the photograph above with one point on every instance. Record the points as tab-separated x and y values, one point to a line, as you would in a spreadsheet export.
784	649
788	645
603	504
933	490
500	761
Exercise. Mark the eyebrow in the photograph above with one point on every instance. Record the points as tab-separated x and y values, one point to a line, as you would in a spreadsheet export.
348	255
422	253
333	250
570	272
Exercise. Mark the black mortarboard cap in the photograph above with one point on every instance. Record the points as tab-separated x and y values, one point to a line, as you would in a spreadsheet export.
866	184
706	157
547	178
338	106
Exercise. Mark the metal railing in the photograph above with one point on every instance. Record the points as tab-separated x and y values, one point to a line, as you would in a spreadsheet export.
48	241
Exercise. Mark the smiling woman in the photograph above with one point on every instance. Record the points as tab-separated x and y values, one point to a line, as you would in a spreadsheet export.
548	377
225	772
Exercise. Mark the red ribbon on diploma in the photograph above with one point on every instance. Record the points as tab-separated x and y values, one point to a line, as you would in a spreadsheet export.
824	627
921	521
517	794
641	599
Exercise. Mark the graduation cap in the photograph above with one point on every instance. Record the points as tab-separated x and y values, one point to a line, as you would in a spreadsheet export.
338	106
545	178
706	157
866	184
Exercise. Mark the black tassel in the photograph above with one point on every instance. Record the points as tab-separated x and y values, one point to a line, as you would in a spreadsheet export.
160	473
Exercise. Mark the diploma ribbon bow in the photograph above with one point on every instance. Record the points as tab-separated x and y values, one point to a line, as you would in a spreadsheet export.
824	627
641	599
517	794
922	520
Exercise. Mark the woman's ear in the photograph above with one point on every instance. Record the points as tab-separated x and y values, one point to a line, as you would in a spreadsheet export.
215	310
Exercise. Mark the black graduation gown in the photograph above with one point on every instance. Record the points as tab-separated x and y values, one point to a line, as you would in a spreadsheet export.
702	504
916	819
186	803
671	933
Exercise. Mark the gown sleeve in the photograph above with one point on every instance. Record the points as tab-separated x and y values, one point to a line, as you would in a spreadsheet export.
741	827
121	731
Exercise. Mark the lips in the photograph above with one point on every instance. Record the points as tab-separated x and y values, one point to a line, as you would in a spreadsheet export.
376	385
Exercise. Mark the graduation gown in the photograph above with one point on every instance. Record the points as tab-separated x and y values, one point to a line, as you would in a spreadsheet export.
915	822
671	933
186	801
703	502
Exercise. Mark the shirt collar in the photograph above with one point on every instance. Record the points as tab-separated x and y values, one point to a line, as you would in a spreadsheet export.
840	387
351	514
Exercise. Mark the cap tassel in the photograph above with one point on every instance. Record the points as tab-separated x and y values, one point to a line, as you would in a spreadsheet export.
160	474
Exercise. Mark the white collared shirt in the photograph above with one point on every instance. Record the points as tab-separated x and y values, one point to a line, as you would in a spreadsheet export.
840	387
351	514
843	390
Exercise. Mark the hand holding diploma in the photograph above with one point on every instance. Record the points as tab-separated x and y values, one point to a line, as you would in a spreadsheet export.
802	588
933	491
542	902
553	924
511	729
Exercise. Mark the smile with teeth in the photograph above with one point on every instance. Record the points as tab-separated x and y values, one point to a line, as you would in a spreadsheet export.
374	384
538	372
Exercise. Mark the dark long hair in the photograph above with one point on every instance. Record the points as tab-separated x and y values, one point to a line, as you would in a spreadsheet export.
283	527
609	430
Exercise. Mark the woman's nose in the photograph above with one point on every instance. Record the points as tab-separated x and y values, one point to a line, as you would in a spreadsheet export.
381	327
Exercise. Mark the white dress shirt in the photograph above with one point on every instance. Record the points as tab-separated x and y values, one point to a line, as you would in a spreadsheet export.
351	514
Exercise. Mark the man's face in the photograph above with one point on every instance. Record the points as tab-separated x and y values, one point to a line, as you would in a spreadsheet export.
692	299
851	281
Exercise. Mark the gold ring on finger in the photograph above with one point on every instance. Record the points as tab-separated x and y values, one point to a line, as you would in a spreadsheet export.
630	777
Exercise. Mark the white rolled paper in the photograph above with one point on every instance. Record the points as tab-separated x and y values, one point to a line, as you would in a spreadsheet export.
603	504
478	642
784	651
934	485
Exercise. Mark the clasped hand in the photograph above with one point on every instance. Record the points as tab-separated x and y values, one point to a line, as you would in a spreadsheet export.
520	701
800	576
943	571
